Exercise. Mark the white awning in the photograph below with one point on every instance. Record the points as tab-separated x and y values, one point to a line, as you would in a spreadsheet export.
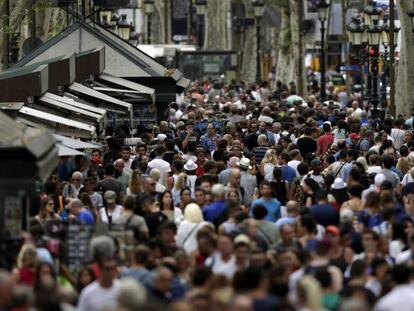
57	103
78	104
56	123
74	143
116	104
64	151
141	89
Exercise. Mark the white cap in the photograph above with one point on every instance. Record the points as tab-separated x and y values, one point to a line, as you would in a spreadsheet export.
379	179
160	137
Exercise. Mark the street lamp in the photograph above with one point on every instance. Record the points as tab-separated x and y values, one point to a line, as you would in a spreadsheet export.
258	6
357	37
374	31
149	8
323	13
133	37
356	30
105	17
124	28
385	40
410	13
114	22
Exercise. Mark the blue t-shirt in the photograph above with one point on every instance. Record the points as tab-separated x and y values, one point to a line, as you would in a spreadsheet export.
272	206
288	173
325	214
86	218
213	211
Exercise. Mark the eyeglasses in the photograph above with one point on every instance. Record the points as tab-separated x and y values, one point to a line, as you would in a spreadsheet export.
73	179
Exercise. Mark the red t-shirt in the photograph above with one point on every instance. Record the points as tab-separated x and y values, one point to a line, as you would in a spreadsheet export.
324	141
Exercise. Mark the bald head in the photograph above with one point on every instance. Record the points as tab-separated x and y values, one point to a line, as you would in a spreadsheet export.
235	177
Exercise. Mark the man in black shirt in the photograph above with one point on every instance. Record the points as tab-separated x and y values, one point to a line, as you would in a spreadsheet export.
307	144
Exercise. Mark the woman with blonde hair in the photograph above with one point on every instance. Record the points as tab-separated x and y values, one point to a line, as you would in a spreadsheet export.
135	183
156	174
179	184
187	231
27	261
268	164
309	294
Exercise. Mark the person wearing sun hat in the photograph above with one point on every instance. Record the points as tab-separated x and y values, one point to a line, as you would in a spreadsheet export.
247	181
190	169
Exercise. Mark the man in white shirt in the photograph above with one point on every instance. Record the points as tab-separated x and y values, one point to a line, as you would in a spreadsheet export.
127	159
401	297
223	261
163	166
397	134
296	160
103	293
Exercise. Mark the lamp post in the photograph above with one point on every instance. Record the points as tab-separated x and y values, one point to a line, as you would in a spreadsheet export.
387	33
133	36
358	39
258	6
124	28
114	22
374	31
149	7
105	16
201	7
323	12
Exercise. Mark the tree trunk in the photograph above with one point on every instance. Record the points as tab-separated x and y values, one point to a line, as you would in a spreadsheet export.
285	64
248	62
298	42
405	75
216	25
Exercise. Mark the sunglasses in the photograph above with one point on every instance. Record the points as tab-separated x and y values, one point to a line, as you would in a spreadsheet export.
154	184
50	204
73	179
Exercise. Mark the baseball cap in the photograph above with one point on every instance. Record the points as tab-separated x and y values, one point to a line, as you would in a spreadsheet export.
354	136
333	229
160	137
315	162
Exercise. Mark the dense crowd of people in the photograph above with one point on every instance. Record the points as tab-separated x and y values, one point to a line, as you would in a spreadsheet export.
244	198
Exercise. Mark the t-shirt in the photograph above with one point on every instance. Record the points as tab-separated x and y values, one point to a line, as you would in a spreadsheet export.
272	206
95	298
324	141
133	221
306	145
153	221
111	184
86	217
96	200
325	214
163	166
288	173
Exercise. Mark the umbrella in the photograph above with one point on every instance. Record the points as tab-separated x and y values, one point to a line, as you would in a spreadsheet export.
74	143
64	151
293	98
